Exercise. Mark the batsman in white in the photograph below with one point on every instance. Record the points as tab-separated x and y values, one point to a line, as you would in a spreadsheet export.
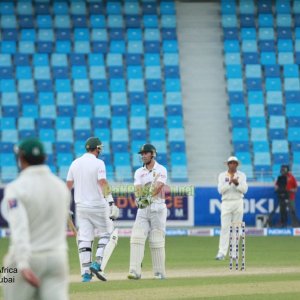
95	210
232	185
36	206
149	182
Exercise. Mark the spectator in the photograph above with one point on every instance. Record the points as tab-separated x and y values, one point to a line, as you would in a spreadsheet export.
286	188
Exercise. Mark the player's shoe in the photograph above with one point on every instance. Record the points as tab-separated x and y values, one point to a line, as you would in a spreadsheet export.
95	269
159	276
133	275
86	277
220	256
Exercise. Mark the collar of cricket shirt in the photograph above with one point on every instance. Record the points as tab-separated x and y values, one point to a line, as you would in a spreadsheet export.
153	169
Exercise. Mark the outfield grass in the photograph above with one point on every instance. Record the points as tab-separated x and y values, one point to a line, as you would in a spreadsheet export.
273	272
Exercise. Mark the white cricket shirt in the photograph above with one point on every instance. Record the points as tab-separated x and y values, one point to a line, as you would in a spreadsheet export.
37	205
231	191
143	176
85	172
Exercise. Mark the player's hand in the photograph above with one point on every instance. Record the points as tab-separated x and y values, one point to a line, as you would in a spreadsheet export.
144	201
114	212
235	181
30	277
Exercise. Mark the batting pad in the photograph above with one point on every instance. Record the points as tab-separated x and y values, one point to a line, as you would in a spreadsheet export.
157	247
85	256
109	248
103	241
137	248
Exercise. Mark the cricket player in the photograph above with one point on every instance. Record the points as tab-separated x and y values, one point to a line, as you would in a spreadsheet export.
95	210
232	185
149	182
36	206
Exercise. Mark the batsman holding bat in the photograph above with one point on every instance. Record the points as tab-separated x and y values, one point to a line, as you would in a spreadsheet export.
95	209
149	182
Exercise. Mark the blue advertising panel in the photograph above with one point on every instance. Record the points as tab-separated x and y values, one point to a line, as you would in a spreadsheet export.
180	209
258	200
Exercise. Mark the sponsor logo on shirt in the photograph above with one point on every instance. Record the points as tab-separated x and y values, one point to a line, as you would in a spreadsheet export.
12	203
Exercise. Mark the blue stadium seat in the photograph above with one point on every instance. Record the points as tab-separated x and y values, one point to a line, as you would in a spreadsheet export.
257	122
276	133
138	110
177	147
292	96
290	71
294	134
176	135
63	147
121	158
272	70
293	121
123	173
275	109
179	174
8	173
174	121
292	110
280	146
158	134
139	134
261	146
47	135
244	157
283	7
240	134
258	134
262	159
64	159
138	123
239	122
268	58
237	110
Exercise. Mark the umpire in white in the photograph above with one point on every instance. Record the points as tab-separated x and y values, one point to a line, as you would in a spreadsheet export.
95	210
232	185
36	205
149	182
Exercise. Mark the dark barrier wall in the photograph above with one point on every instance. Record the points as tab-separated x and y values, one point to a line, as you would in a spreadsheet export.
258	201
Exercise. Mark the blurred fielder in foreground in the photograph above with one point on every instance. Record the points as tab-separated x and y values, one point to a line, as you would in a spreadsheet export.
95	209
232	185
151	217
36	205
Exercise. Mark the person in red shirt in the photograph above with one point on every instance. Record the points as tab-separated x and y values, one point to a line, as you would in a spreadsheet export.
286	188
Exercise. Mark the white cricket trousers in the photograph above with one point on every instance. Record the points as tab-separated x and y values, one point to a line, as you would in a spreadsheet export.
152	217
50	268
231	211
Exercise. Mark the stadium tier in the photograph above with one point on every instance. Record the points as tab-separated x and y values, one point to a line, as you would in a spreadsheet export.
74	69
262	58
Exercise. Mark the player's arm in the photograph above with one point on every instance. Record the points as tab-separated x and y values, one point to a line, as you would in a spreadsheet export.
70	179
223	186
161	181
242	186
106	190
70	184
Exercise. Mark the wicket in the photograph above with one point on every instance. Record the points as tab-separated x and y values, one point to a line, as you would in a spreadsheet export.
237	226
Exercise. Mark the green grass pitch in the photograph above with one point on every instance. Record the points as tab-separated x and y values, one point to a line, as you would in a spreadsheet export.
272	272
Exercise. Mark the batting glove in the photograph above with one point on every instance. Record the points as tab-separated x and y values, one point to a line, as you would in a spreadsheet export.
114	212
